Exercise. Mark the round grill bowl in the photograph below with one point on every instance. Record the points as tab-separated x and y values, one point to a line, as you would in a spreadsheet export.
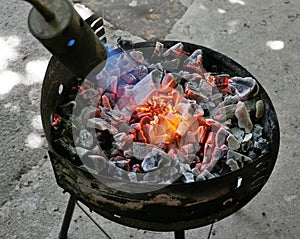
177	206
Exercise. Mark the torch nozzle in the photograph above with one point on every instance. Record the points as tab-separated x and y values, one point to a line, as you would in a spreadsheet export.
42	9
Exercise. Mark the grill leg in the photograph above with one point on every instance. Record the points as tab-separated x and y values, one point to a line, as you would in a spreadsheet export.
179	234
63	234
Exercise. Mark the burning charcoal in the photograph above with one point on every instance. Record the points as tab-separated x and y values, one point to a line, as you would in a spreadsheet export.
177	155
260	109
190	149
233	143
136	168
244	120
85	139
226	112
195	58
219	82
138	57
193	92
244	87
112	84
188	177
143	90
195	61
190	138
202	133
177	50
238	157
102	125
105	102
129	78
209	147
232	164
169	81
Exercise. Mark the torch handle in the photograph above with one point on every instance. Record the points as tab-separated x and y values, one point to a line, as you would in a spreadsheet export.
42	9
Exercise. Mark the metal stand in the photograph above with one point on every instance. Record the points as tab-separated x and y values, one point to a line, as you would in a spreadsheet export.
67	218
63	234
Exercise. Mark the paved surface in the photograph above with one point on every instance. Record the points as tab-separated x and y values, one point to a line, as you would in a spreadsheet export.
32	205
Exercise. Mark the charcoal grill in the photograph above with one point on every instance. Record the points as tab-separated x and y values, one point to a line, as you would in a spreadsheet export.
176	207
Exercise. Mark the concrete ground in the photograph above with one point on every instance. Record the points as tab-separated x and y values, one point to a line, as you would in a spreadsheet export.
263	36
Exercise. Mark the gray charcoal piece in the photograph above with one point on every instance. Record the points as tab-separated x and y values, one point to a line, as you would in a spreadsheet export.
171	65
98	123
244	120
226	112
188	177
238	157
200	178
257	131
85	139
233	142
221	137
152	161
206	174
82	152
193	92
196	172
261	144
229	100
244	87
260	109
238	134
99	162
232	164
138	56
85	114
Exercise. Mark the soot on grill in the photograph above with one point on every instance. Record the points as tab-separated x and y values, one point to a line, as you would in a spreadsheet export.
159	116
